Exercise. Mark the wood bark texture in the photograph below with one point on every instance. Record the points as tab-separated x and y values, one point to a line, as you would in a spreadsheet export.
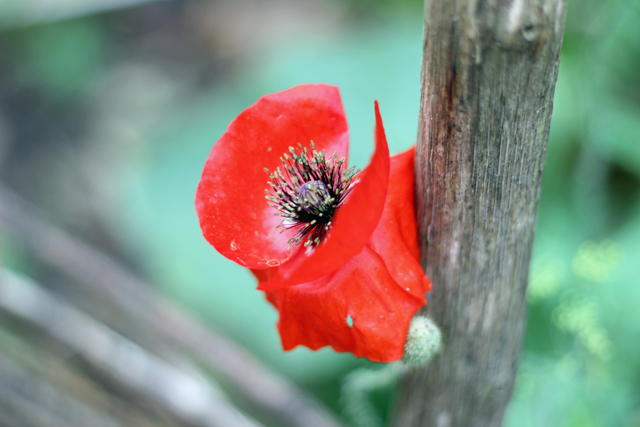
488	77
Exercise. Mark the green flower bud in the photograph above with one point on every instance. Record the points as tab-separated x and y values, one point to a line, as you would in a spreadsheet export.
424	340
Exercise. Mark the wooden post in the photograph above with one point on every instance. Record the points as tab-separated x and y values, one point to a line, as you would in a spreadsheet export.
488	76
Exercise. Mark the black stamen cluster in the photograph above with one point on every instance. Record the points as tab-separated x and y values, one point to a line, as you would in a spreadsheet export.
307	193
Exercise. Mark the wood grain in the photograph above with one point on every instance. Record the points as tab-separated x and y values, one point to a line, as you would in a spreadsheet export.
488	77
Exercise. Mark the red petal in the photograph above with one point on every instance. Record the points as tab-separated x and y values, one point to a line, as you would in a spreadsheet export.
230	201
396	237
316	314
352	226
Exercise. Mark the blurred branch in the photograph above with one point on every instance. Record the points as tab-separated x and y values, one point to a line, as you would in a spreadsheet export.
22	13
41	365
27	401
268	391
185	395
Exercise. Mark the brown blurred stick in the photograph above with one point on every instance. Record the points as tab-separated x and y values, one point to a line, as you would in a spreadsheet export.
269	392
25	400
185	395
48	375
488	77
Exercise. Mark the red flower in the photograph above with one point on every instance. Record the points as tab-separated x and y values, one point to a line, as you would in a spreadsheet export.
337	254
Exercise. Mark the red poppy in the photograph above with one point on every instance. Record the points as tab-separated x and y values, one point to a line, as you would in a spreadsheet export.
336	252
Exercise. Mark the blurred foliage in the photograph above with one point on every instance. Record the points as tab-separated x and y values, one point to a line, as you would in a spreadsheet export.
64	57
153	116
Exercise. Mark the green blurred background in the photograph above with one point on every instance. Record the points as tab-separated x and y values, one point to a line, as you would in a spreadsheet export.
108	110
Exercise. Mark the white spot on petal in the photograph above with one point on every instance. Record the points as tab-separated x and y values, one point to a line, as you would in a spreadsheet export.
349	320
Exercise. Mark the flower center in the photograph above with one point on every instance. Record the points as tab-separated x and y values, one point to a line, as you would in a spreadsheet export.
313	195
307	192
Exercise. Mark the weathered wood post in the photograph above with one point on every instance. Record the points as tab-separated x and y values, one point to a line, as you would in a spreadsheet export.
488	76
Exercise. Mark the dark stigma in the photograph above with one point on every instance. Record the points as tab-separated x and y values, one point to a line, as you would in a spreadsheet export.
307	192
